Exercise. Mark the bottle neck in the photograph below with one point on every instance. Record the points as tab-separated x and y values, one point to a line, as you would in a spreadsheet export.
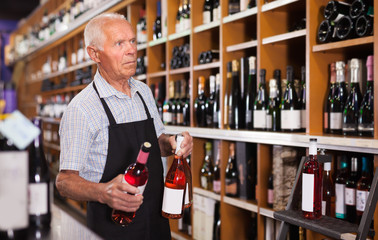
142	157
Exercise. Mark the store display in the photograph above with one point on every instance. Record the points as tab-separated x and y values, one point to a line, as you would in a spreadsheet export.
200	103
207	169
232	174
234	106
273	114
180	56
261	104
210	102
249	93
216	118
366	113
338	100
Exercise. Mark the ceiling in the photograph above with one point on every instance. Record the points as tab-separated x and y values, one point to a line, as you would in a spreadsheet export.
17	9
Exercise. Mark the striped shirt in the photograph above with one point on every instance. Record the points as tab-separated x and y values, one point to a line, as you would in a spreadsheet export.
84	126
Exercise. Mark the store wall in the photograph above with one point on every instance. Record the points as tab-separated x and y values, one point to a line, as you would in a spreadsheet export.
6	27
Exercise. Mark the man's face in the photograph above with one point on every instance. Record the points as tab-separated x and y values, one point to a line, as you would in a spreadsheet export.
118	59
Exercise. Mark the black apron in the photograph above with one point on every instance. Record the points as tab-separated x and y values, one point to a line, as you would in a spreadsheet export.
125	140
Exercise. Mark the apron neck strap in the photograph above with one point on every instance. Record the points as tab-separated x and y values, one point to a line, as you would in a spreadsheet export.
107	110
145	105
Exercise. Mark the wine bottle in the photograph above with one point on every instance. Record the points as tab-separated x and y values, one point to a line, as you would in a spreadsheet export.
157	23
207	12
226	121
176	90
39	184
342	174
335	10
160	95
175	185
273	117
338	101
277	76
207	169
270	191
210	101
217	103
141	27
200	103
233	6
345	28
260	104
136	175
216	179
232	175
364	26
363	188
325	31
211	56
186	15
290	107
328	202
312	185
179	104
249	93
353	102
302	98
186	106
234	99
359	8
329	98
178	27
366	113
167	106
350	191
216	10
188	198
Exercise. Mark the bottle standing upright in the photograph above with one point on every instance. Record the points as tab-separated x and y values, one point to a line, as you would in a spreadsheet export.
338	101
136	175
366	113
249	93
363	188
207	169
350	191
328	202
200	103
260	105
175	185
232	174
312	185
342	174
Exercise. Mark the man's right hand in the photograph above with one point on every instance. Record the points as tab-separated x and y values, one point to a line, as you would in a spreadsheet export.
120	196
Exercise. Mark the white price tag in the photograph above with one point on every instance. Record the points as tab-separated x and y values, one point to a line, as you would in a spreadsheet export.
20	130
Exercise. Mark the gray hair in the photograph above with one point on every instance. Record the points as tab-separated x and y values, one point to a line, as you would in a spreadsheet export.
93	33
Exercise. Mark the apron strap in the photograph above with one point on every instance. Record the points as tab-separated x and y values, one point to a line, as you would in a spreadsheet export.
107	110
145	106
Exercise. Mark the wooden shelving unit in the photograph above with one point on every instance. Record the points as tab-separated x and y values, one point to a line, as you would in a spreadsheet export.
262	32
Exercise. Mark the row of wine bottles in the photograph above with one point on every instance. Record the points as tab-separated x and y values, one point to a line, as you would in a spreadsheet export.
142	63
180	56
350	113
345	21
208	56
343	196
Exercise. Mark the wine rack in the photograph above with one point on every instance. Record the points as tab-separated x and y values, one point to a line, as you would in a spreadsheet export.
262	31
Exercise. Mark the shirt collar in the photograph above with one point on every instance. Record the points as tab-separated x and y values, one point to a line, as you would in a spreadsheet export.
105	90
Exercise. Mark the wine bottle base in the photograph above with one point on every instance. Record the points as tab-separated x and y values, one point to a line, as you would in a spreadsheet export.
123	218
171	216
312	215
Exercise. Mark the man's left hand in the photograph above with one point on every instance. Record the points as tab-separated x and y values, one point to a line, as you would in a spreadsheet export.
186	145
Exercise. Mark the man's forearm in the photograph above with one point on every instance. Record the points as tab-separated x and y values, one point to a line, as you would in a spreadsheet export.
165	145
71	185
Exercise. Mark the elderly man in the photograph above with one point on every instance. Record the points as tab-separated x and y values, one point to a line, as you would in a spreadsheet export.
101	132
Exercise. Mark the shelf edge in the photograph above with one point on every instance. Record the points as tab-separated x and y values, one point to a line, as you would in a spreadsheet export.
276	4
284	36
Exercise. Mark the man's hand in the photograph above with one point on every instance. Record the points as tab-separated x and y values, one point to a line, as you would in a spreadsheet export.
186	145
121	196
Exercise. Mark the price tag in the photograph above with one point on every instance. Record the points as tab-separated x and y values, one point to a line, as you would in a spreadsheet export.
20	130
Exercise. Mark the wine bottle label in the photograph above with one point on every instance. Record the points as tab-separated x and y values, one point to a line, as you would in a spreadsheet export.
186	199
350	196
269	121
186	23
204	182
259	118
180	118
270	196
366	127
216	186
167	117
361	198
336	120
324	207
231	186
340	200
13	190
215	14
303	118
325	120
206	17
38	198
349	127
290	119
172	200
308	181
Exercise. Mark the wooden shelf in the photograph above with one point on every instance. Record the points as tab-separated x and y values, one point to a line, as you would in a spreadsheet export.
340	143
157	74
51	120
240	15
267	212
205	27
142	46
179	236
276	4
180	70
206	193
179	35
65	71
343	44
206	66
242	46
140	77
240	203
51	145
284	37
157	41
63	90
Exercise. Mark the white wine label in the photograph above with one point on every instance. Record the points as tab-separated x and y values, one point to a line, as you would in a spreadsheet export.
336	120
324	207
20	130
303	118
340	200
259	119
269	121
308	192
167	117
14	172
361	198
204	182
249	115
350	196
172	200
38	198
290	119
206	17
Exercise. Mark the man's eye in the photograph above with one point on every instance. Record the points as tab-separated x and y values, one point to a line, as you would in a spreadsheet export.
132	41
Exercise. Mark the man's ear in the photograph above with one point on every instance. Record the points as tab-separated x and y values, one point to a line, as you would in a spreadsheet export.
93	53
